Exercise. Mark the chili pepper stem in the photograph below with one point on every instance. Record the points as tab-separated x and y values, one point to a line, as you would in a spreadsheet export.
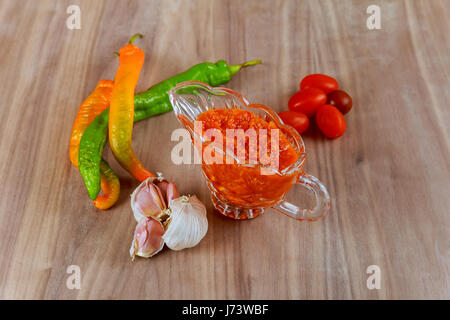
251	63
235	68
137	35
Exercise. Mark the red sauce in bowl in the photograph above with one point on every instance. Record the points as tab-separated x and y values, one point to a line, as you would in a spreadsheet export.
242	184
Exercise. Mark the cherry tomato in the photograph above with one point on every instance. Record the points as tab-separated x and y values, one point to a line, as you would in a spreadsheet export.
307	101
341	100
331	121
321	81
298	120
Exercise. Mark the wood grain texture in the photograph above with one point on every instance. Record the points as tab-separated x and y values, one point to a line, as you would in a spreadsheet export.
388	176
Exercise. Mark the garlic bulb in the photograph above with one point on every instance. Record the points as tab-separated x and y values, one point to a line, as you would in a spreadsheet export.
187	224
150	198
184	219
147	239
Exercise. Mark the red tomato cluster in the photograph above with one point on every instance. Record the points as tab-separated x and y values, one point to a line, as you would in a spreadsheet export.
318	96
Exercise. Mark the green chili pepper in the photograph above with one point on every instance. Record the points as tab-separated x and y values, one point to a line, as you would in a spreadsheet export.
90	153
152	102
156	100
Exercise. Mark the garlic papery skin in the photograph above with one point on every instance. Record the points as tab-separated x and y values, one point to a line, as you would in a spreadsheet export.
187	224
147	239
147	200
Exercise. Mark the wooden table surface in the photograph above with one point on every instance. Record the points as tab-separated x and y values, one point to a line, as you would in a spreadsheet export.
388	176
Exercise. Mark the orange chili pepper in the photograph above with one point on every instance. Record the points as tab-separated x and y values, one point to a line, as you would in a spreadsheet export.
121	111
91	107
97	101
110	185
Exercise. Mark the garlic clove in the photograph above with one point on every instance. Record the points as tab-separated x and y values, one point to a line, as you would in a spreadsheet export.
168	189
187	224
172	192
147	239
148	201
162	185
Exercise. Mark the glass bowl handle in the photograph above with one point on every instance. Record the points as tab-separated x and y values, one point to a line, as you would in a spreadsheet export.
322	201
